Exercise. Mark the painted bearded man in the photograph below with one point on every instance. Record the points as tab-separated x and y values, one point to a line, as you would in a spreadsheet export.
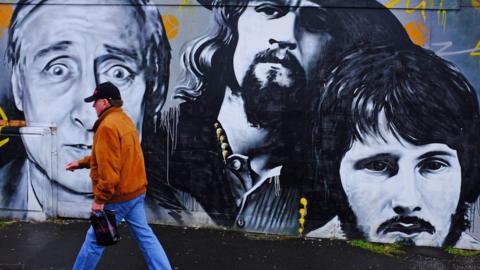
238	150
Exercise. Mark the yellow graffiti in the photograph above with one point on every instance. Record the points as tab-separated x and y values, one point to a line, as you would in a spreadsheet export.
418	32
476	50
392	3
476	3
442	15
171	24
3	117
6	12
303	214
422	6
184	3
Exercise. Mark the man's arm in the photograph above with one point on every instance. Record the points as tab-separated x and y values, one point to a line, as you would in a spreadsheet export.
107	155
83	163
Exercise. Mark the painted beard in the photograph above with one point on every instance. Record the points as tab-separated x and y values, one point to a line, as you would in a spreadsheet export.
273	89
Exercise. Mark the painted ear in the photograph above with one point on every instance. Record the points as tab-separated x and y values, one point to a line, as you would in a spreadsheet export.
17	89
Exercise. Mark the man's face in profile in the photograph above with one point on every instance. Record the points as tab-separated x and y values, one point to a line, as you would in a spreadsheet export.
66	50
400	192
280	44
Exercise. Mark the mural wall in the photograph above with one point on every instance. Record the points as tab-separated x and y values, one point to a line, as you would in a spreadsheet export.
322	118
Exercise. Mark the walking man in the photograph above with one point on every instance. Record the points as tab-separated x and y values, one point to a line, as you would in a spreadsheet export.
118	177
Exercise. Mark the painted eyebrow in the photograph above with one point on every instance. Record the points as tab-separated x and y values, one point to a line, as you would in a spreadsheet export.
121	51
435	153
279	3
59	46
289	3
314	4
360	164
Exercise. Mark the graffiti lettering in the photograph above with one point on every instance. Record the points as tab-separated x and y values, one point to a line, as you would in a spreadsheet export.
476	50
444	46
421	6
184	3
393	3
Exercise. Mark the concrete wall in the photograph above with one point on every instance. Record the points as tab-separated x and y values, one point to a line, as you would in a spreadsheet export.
324	118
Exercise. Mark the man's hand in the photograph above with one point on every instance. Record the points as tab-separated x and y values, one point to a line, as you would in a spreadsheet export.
97	207
72	166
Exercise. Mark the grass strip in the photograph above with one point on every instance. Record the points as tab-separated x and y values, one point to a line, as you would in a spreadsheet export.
391	250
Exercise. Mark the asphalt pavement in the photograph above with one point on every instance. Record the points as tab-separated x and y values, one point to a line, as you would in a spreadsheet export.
54	245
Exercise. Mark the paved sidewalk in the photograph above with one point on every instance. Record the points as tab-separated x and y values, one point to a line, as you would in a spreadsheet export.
54	245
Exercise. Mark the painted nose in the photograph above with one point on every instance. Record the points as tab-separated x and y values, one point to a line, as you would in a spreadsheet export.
284	37
83	115
406	198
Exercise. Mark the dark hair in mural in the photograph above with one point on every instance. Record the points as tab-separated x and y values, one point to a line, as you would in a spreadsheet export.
212	53
156	59
210	56
424	100
208	71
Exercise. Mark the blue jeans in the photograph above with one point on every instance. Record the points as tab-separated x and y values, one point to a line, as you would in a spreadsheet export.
134	214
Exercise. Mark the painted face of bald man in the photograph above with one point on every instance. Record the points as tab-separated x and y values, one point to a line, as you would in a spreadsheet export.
60	63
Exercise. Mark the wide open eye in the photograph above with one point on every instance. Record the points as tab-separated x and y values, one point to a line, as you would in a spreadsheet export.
119	74
58	70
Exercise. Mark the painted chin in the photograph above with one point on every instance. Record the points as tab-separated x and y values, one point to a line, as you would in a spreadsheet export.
273	73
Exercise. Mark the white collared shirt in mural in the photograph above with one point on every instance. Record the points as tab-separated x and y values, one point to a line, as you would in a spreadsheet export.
263	205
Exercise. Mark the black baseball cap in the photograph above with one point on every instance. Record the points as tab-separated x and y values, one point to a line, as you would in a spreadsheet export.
105	90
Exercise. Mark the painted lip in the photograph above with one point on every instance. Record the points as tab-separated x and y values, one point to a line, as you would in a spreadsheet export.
407	229
409	225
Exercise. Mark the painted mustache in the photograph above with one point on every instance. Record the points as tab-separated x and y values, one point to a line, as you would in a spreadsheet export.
270	56
406	224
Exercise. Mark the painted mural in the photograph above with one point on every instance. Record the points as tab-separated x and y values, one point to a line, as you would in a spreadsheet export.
318	118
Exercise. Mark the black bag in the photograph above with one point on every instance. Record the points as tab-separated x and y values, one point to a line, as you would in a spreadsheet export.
105	227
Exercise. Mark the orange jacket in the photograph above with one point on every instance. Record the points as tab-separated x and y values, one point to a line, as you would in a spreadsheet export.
116	165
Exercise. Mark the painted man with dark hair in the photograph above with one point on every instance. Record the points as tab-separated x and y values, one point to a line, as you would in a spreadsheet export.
57	61
396	137
238	147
